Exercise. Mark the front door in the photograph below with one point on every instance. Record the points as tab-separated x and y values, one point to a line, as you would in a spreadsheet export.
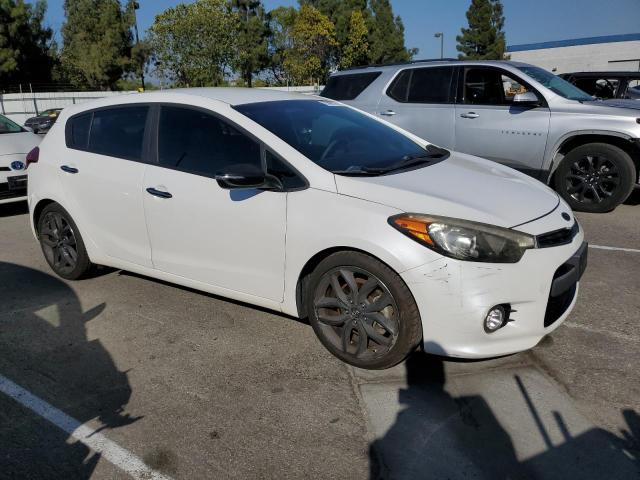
490	125
233	239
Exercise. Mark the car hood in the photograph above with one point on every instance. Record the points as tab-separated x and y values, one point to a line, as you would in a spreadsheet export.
462	186
23	142
619	103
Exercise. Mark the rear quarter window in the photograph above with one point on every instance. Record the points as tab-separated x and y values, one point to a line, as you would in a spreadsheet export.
77	131
348	87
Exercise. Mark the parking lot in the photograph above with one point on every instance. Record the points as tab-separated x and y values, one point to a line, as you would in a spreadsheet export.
121	376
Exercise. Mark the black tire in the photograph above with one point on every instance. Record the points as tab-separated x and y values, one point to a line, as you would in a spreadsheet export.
373	329
62	244
596	177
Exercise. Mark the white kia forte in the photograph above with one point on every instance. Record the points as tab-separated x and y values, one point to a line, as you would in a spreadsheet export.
312	208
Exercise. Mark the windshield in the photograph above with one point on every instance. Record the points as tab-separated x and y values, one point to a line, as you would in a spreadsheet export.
9	126
340	139
556	84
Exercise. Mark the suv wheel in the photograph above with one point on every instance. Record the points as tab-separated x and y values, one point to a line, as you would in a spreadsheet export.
362	311
595	177
61	243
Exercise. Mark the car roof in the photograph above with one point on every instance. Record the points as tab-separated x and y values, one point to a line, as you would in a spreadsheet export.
429	63
237	95
601	74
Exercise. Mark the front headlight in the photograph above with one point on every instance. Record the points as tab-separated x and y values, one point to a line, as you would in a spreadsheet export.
463	239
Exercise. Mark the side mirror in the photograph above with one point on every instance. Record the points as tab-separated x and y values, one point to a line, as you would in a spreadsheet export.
527	98
246	176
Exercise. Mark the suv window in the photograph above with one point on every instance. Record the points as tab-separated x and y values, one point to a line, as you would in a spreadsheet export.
489	86
598	86
422	85
118	132
197	142
348	87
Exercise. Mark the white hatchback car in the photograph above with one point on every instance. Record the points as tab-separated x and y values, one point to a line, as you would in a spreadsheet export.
312	208
15	143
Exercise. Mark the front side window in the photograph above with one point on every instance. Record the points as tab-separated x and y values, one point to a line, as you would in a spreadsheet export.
197	142
599	87
556	84
9	126
422	85
118	132
338	138
489	86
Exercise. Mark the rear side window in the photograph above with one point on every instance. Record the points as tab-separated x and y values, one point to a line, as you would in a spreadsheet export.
118	132
422	85
348	87
78	131
197	142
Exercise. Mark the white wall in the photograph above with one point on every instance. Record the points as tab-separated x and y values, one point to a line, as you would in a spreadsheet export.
579	58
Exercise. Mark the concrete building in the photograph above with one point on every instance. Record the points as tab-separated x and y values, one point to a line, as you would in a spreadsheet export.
613	52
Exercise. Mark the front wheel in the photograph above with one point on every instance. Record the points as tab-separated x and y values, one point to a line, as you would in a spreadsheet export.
362	311
595	177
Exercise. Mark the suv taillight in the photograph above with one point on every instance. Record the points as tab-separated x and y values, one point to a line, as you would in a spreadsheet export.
32	157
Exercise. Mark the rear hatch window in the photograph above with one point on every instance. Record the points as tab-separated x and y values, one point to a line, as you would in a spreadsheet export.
348	87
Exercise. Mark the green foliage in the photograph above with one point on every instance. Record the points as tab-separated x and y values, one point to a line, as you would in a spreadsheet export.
313	44
251	55
484	39
26	53
387	35
281	22
356	50
97	42
194	43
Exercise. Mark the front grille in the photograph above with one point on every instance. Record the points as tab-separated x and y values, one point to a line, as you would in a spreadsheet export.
564	236
5	193
5	169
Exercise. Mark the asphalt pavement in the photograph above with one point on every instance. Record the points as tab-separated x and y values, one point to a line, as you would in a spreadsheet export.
122	376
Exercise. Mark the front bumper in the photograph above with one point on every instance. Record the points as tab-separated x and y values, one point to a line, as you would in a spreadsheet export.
13	188
455	296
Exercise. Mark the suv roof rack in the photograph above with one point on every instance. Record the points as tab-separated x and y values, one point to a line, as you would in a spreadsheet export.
410	62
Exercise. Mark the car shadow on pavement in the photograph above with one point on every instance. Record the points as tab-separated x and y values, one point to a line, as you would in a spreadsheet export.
14	208
634	198
438	435
45	350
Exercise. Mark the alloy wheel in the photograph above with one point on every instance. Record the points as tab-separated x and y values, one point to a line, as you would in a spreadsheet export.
356	313
59	243
592	179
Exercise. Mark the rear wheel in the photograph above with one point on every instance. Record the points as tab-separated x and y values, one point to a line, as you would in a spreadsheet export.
62	243
595	177
362	311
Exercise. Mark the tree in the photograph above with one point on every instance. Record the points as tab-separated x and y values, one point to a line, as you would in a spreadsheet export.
484	39
281	21
26	51
387	35
356	50
314	42
252	44
194	43
97	42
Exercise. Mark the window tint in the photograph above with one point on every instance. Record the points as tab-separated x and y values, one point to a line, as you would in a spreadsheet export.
487	86
348	87
78	131
399	88
430	85
118	132
197	142
288	177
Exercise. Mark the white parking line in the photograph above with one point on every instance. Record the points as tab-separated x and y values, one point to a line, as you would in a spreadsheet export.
114	453
620	249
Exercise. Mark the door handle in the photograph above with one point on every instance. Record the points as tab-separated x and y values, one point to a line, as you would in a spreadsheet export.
68	169
388	113
469	115
158	193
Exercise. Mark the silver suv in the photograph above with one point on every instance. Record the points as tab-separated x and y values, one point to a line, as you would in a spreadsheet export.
513	113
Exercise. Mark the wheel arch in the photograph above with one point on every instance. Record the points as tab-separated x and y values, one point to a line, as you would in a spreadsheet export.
577	139
37	211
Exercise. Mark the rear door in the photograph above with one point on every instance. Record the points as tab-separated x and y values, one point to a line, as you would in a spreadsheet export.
102	171
488	124
421	100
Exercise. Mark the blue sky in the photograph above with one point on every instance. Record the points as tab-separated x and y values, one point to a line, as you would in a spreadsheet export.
527	21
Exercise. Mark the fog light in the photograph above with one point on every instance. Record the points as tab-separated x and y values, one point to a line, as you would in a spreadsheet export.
495	319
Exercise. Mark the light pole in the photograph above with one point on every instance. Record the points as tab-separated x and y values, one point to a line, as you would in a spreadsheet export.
136	6
440	35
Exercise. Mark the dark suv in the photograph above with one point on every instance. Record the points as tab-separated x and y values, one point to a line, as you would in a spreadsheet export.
607	85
